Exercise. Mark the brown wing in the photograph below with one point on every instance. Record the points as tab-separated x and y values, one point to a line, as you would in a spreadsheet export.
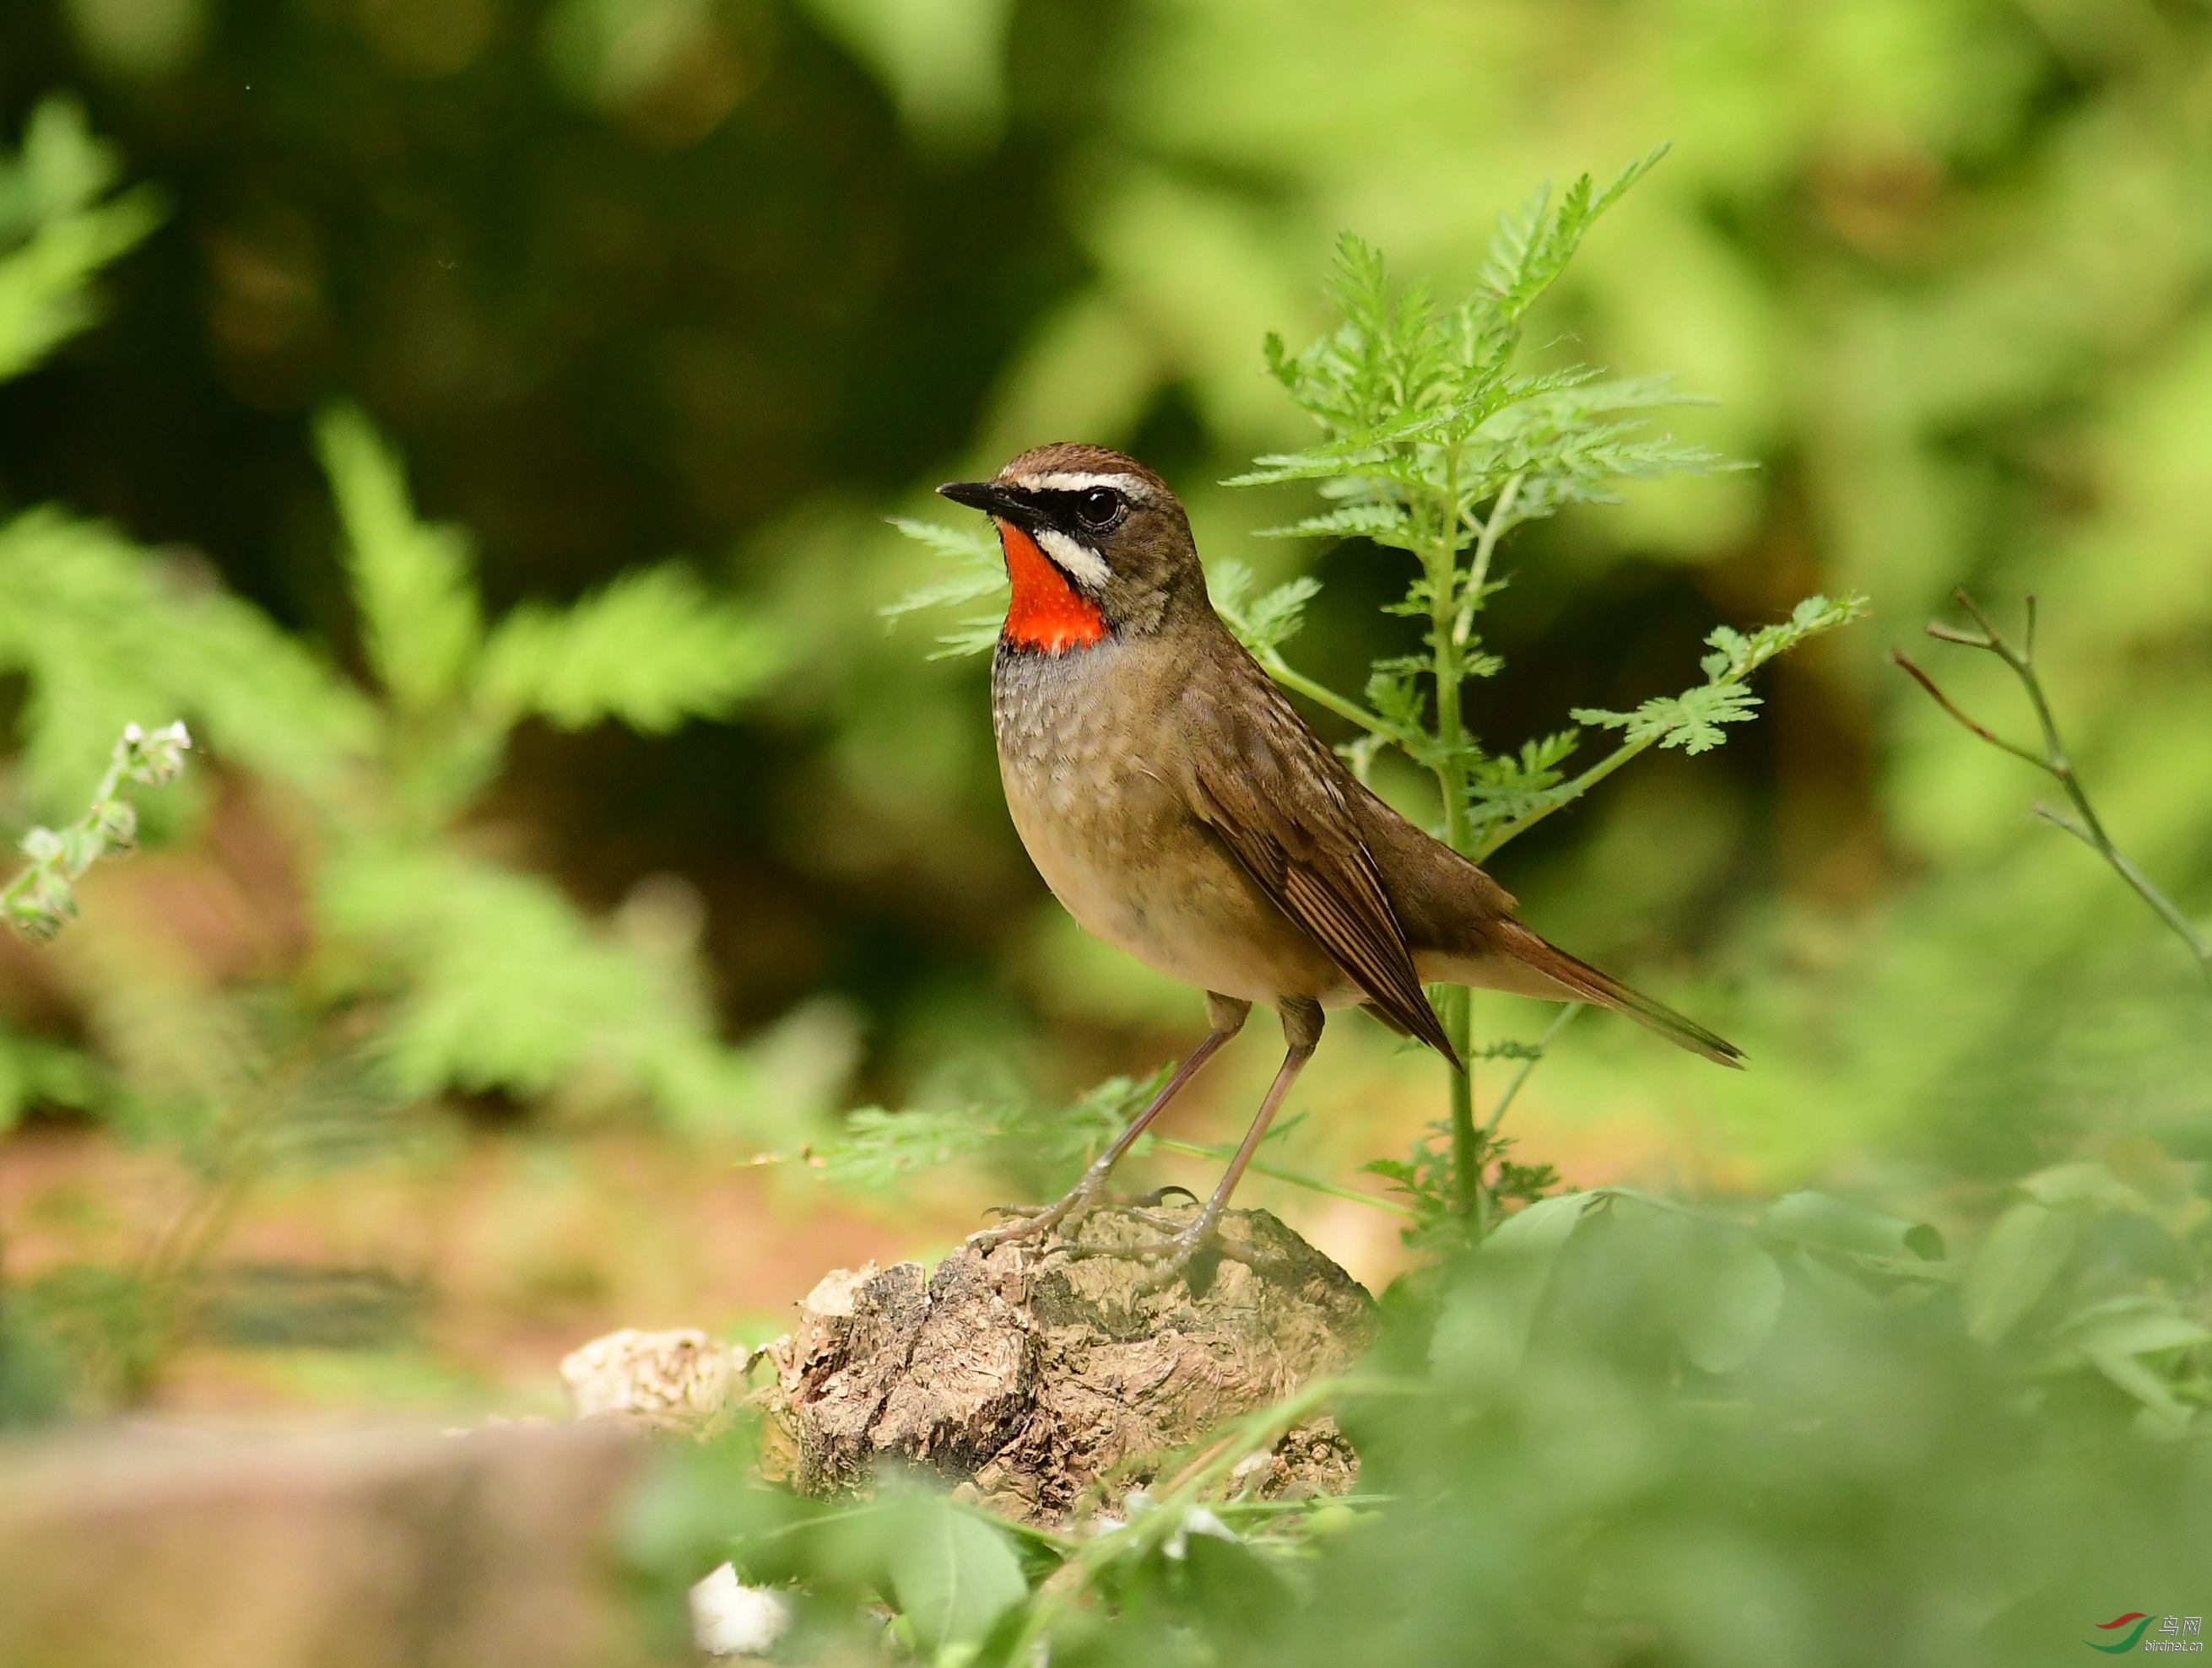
1278	798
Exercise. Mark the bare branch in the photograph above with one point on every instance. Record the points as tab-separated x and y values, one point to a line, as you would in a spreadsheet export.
1913	671
2084	825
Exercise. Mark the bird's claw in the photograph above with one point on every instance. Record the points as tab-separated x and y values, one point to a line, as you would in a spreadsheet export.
1182	1248
1030	1221
1158	1196
1027	1222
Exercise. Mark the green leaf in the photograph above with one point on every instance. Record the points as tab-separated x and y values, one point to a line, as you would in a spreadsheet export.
1737	655
496	981
1822	1220
652	649
979	570
953	1572
969	546
1731	1296
58	233
2016	1265
978	635
1482	1331
1507	786
2083	1182
2132	1326
2120	1337
1691	720
1532	248
414	583
1385	523
946	592
33	1071
106	635
1694	721
1262	623
880	1150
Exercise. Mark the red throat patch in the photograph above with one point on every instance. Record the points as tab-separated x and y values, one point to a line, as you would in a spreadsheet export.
1047	611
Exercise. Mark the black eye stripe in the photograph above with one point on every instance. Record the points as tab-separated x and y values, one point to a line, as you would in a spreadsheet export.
1062	504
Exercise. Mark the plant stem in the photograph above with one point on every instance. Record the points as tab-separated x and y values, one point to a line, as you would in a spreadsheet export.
1559	1023
2125	868
1575	789
1486	545
1621	754
1453	606
2054	760
1457	1011
109	784
1322	695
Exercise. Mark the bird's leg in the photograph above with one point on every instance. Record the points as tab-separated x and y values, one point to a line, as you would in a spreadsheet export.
1302	1026
1228	1015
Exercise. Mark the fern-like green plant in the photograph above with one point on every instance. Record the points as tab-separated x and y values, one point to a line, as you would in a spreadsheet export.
60	223
1436	445
433	966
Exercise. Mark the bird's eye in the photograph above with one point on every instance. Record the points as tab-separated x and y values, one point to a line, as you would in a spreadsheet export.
1099	507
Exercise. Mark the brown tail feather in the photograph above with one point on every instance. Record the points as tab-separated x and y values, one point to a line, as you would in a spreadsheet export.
1588	985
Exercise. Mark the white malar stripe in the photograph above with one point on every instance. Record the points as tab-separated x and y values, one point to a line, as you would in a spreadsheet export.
1128	485
1078	559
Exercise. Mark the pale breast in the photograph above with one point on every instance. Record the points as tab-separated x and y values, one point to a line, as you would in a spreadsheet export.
1093	783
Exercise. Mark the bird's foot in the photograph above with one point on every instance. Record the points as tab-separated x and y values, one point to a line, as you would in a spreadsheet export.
1189	1252
1032	1221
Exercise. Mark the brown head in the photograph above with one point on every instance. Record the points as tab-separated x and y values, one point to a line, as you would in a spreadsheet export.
1096	546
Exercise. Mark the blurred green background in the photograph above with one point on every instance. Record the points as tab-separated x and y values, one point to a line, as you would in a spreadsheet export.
519	980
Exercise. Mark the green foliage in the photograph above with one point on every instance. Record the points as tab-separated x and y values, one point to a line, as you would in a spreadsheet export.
104	634
58	227
497	983
1693	720
1428	1180
1265	622
413	582
978	571
951	1571
1425	418
497	980
1621	1425
1437	446
877	1150
433	969
652	650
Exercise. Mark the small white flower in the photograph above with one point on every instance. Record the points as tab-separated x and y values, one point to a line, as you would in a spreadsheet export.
730	1619
1197	1521
157	758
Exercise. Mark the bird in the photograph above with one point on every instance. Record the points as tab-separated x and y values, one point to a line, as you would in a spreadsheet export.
1180	809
